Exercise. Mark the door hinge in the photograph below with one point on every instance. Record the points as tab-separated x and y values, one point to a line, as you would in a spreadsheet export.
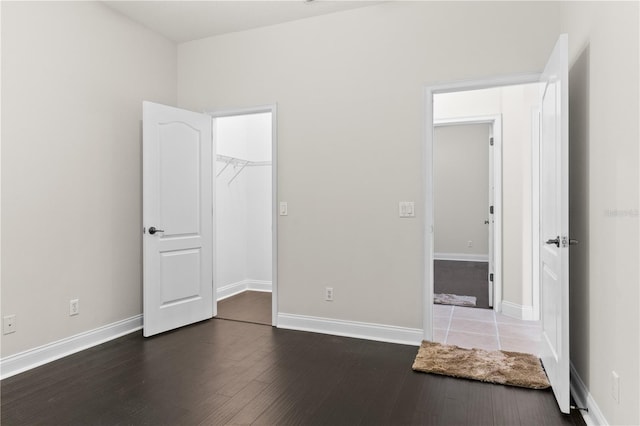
491	277
491	141
490	209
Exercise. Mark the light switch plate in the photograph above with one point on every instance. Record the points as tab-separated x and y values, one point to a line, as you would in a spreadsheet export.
406	209
283	208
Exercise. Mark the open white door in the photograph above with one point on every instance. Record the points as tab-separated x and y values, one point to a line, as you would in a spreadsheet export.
177	186
554	222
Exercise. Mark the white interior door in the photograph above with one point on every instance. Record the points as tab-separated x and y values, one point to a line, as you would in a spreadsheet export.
554	222
177	186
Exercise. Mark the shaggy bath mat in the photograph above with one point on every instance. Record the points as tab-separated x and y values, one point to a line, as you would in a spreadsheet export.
502	367
454	299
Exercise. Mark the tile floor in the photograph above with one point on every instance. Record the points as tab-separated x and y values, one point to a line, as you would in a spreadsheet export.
484	329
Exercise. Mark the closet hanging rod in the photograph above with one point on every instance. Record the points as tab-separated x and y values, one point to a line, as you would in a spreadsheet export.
238	162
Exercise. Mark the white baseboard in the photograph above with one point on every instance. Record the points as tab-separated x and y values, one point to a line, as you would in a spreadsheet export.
461	257
360	330
23	361
583	398
514	310
232	289
257	285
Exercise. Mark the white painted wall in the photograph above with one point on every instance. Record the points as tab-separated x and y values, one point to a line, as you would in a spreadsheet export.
349	89
243	207
74	75
515	104
461	189
604	183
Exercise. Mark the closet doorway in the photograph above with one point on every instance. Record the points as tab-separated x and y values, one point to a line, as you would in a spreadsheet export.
245	223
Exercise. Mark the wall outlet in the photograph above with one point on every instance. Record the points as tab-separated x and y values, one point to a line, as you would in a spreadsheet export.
328	294
469	243
74	307
615	386
9	324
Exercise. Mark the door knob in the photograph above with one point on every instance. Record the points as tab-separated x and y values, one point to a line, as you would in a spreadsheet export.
153	230
555	241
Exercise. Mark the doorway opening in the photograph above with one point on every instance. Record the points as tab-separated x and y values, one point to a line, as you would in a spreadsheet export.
466	177
481	195
245	185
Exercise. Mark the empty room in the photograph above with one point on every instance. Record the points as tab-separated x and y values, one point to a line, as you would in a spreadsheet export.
230	212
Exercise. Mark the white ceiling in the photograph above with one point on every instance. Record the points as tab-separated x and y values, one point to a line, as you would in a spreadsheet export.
182	21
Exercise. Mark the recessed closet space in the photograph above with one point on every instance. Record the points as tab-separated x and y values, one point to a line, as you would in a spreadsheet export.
244	237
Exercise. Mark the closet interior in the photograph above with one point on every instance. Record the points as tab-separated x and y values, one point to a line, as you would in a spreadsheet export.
244	217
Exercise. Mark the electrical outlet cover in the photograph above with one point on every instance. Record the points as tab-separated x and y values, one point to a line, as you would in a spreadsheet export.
9	324
74	307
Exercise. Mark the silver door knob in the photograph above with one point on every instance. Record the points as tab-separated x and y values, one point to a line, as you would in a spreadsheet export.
153	230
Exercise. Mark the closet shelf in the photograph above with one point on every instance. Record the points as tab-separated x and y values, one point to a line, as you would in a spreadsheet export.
235	162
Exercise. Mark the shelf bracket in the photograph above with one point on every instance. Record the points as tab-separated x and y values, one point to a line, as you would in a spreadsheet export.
246	163
229	161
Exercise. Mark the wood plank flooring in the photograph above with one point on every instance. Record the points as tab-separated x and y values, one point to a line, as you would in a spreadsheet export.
221	372
249	306
463	279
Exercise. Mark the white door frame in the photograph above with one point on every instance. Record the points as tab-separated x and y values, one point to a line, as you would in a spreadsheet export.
495	123
271	108
429	92
535	211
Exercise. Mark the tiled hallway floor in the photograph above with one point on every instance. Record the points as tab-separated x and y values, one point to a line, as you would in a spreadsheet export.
484	329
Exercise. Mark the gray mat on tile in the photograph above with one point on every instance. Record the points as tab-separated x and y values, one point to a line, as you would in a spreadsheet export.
454	299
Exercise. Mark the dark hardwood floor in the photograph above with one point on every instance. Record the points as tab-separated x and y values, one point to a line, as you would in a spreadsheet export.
249	306
463	279
223	372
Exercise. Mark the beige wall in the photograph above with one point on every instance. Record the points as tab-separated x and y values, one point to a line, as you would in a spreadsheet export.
604	186
73	79
461	189
349	89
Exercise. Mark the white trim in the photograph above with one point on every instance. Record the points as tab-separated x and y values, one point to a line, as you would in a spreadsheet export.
487	83
273	109
258	285
462	257
584	399
31	358
535	210
427	161
232	289
359	330
514	310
